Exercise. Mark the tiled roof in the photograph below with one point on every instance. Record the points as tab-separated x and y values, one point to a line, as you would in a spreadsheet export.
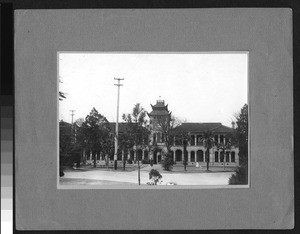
223	129
123	127
160	105
202	127
159	112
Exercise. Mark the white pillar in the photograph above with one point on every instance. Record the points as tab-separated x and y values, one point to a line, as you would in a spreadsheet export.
189	156
143	156
134	155
174	156
122	155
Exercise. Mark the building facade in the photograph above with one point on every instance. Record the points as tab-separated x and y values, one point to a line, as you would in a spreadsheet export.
195	148
196	151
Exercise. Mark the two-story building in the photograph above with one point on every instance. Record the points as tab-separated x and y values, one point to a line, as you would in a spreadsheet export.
195	148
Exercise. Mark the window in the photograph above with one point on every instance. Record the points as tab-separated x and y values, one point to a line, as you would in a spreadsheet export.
158	137
227	156
139	154
232	156
178	155
222	157
199	142
146	155
192	140
217	156
221	138
200	156
192	156
216	138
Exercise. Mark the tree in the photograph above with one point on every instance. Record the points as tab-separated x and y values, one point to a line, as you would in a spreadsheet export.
62	95
241	140
167	126
155	176
242	134
185	140
223	147
137	131
65	143
94	134
126	142
208	142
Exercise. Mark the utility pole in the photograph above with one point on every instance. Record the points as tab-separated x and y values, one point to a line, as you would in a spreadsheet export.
117	123
72	115
72	130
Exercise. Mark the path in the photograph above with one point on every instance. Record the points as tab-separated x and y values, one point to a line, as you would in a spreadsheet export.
116	177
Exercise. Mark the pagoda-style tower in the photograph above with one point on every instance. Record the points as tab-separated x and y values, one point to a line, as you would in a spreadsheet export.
158	116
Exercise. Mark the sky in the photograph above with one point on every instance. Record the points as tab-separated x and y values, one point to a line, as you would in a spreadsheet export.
198	87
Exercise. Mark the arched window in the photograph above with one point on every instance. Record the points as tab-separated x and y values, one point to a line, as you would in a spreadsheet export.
200	156
192	140
216	138
178	155
198	141
192	156
222	157
139	154
221	138
154	138
233	156
216	156
227	156
158	137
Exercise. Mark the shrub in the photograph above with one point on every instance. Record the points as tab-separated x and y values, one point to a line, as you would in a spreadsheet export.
240	176
145	161
167	163
129	161
155	176
61	172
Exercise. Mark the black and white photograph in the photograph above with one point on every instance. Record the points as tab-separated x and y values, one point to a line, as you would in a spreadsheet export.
153	119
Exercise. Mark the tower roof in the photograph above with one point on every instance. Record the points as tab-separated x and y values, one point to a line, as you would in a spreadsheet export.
159	108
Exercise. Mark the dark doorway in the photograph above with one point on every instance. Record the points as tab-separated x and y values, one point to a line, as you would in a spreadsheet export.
178	155
200	156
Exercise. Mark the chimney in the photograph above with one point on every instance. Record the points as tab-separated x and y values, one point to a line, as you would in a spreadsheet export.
233	124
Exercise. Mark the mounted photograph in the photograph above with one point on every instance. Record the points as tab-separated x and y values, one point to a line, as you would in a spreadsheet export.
153	119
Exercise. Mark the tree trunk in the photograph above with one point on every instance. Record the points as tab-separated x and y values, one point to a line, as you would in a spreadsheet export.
106	160
207	160
224	153
95	159
184	156
139	173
